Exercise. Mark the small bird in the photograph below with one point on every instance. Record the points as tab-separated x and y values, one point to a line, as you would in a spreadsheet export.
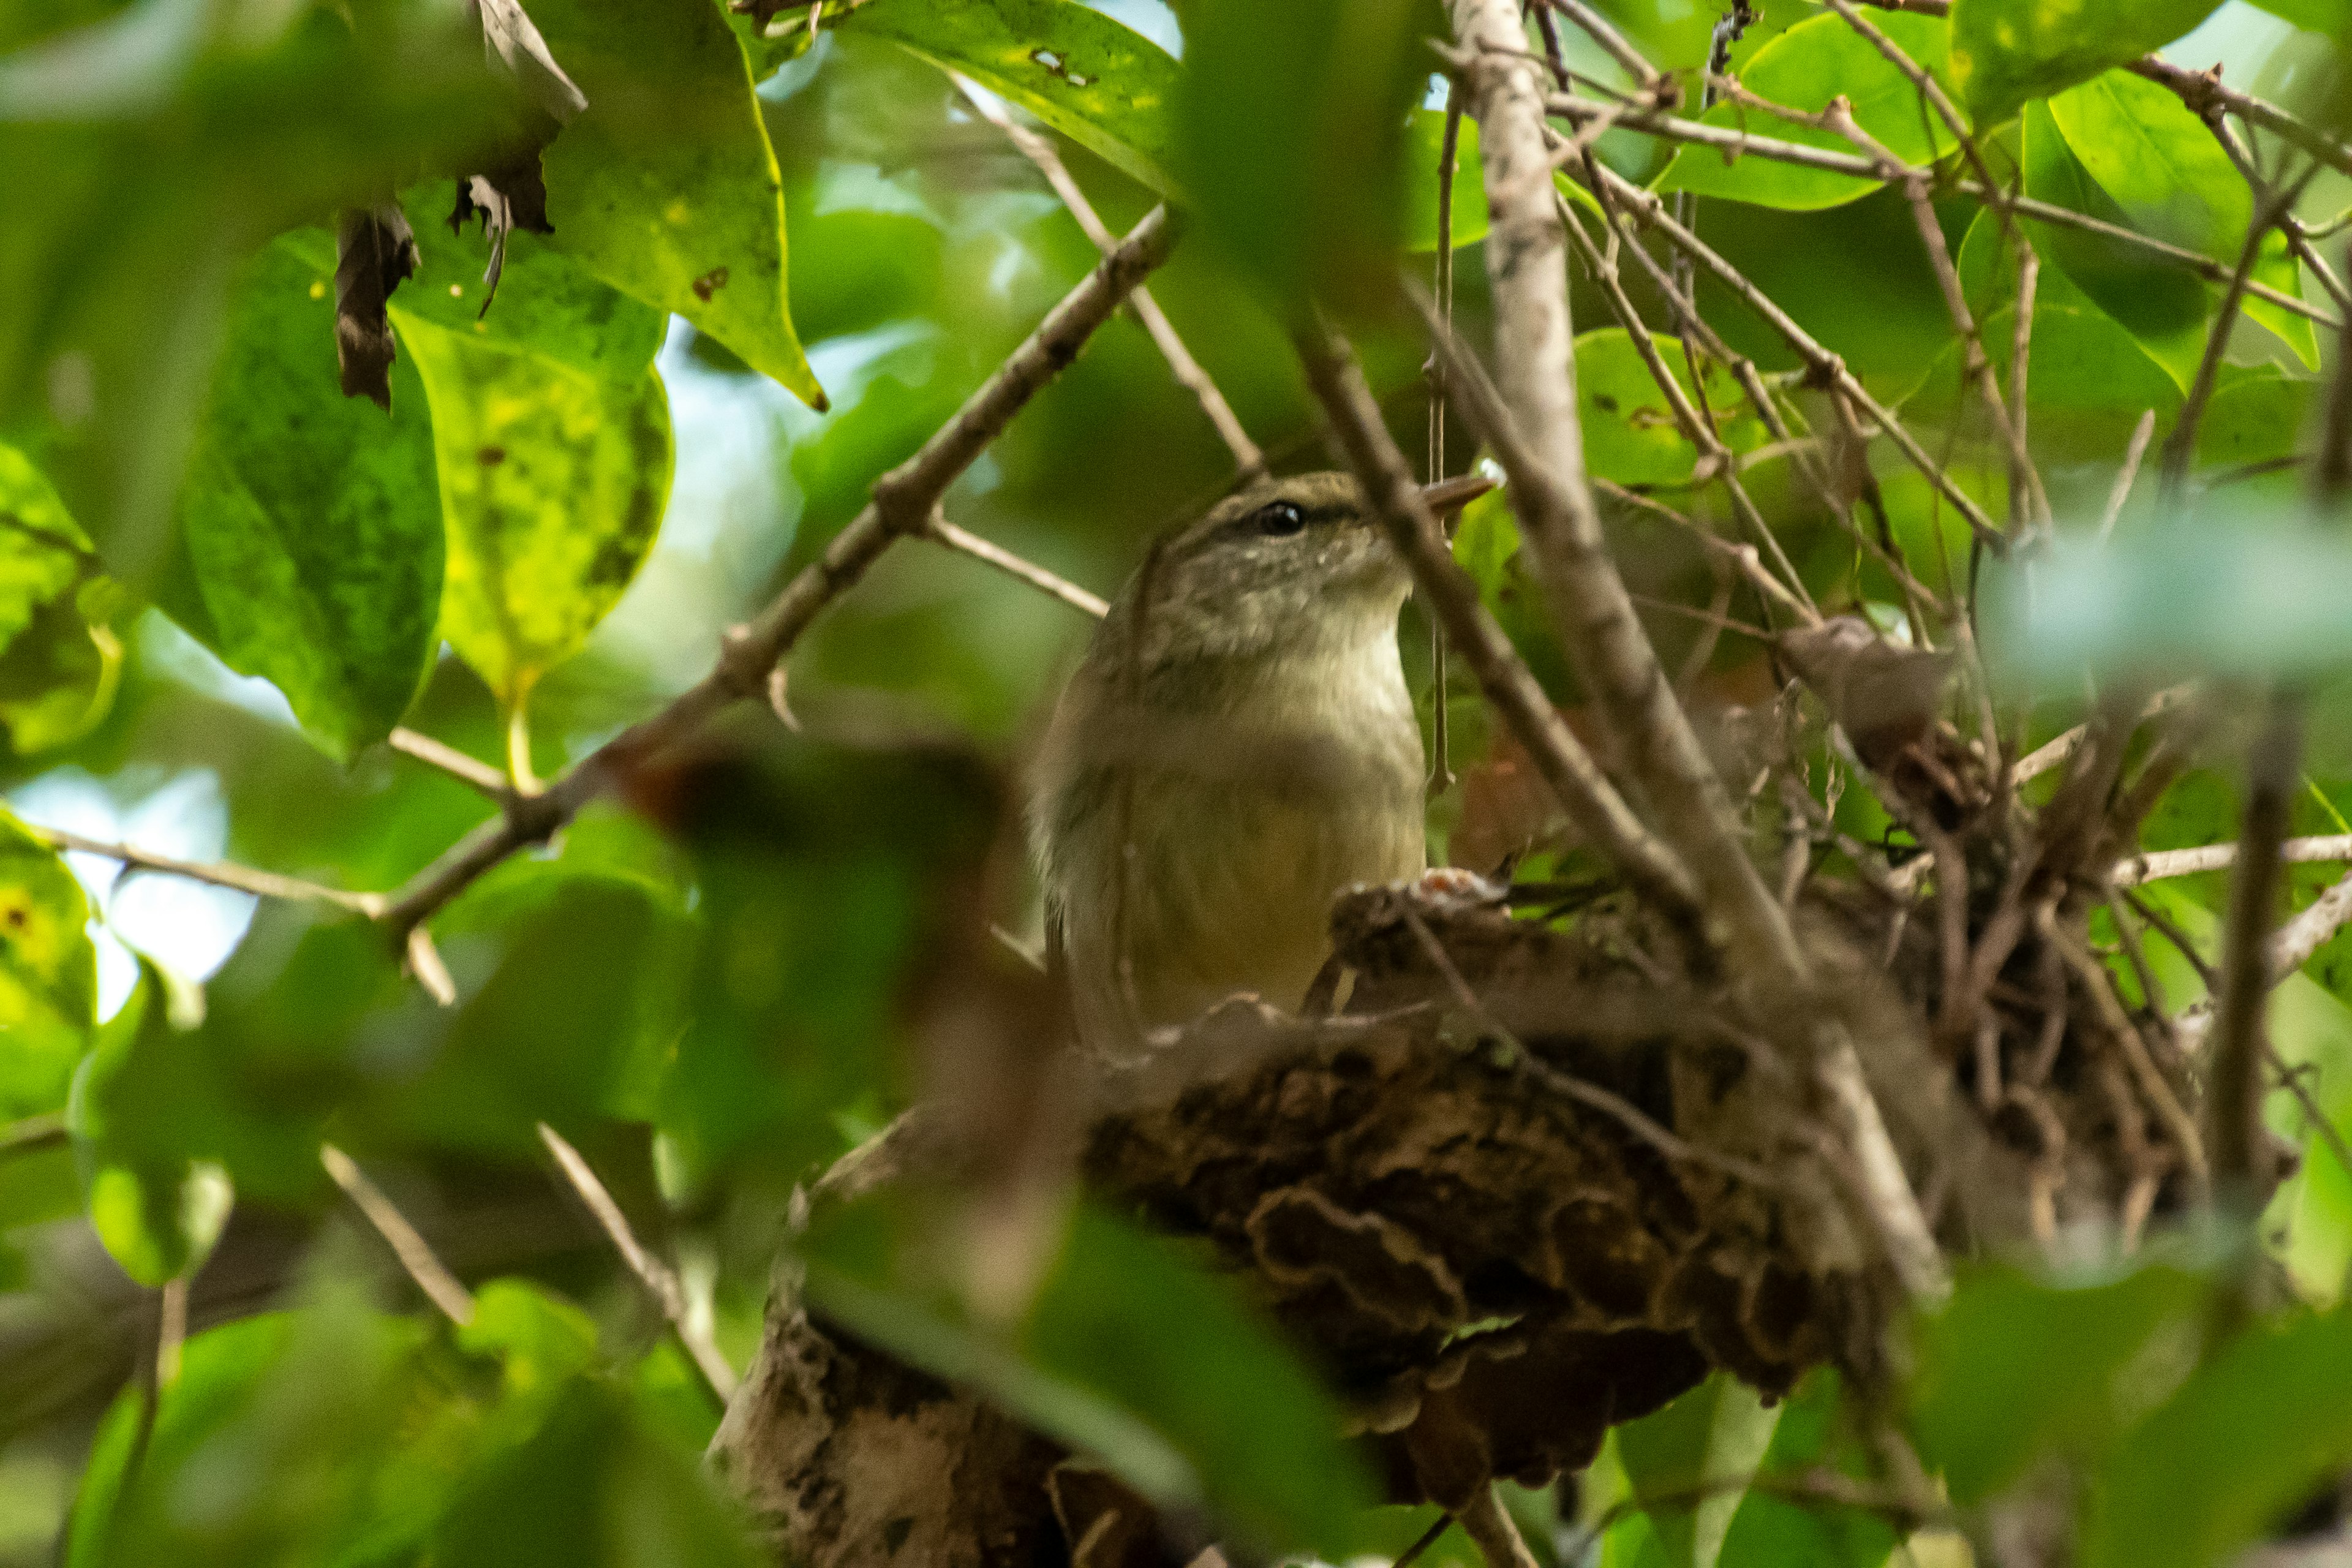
1237	745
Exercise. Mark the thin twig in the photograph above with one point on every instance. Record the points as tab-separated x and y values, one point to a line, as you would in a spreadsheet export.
2099	986
31	1134
2180	444
1744	144
2142	433
1490	1529
902	502
1603	32
660	1282
2155	865
2241	1147
1413	1553
1247	459
468	771
407	1243
1826	365
219	873
2202	89
945	532
1591	801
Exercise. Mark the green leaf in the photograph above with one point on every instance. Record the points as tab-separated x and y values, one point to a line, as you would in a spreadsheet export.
2089	380
1804	68
2246	1438
2162	304
1292	126
595	1487
541	1340
312	522
1694	1449
1130	1356
141	1100
2161	165
1106	88
1630	434
1424	143
58	657
1812	1436
552	484
2015	1367
665	185
48	973
172	140
549	302
2005	52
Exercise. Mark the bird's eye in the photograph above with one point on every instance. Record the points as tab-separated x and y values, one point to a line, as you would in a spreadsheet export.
1279	519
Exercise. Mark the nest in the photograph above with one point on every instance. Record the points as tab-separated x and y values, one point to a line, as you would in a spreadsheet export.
1518	1179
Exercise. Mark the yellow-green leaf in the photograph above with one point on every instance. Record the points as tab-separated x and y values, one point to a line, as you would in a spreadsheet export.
552	482
666	187
48	973
59	659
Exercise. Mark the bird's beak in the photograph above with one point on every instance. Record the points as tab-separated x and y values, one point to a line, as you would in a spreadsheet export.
1446	498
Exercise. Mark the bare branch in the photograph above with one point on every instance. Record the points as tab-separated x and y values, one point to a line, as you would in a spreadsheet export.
1601	31
468	771
2201	90
1827	365
2155	865
1013	565
1039	150
2240	1146
407	1243
660	1283
219	873
1491	1530
902	503
1742	143
2142	433
1584	792
2180	444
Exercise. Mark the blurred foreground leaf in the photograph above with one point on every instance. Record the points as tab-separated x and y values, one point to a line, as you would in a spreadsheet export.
2246	1438
145	1102
2016	1366
169	139
1132	1357
2220	593
1291	121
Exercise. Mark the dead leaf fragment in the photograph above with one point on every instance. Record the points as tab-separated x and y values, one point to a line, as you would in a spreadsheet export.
374	250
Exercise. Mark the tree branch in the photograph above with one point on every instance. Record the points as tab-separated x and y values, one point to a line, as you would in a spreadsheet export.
902	503
945	532
1247	459
1745	143
218	874
2155	865
659	1281
1584	792
2240	1146
407	1243
1826	365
